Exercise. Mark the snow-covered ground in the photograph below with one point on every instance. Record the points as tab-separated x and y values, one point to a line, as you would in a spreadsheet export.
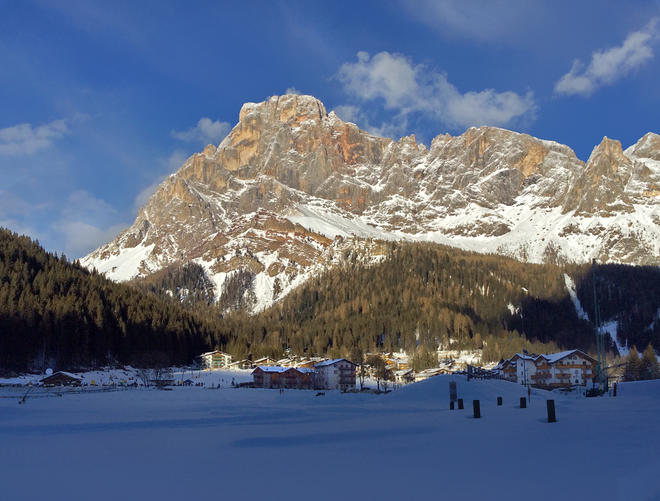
194	442
130	375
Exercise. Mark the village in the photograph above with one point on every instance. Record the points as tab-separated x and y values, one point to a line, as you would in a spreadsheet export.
567	369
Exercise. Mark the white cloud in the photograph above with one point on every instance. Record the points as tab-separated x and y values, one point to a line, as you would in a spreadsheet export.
409	88
86	222
351	113
348	113
609	65
81	238
292	90
206	131
24	139
492	20
82	204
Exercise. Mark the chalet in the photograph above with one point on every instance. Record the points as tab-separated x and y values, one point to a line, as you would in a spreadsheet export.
61	378
554	370
283	377
310	363
215	360
404	376
337	374
427	373
396	361
568	368
265	361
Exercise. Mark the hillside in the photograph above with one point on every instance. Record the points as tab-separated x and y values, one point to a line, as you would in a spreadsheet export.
417	298
422	296
57	314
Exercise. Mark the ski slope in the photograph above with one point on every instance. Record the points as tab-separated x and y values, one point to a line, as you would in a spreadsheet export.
193	443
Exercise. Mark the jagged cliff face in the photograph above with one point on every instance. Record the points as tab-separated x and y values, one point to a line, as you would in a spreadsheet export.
279	197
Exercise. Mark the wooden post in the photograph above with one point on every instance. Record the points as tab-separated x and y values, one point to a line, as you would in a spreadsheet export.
460	404
552	418
523	403
451	405
614	389
499	400
475	409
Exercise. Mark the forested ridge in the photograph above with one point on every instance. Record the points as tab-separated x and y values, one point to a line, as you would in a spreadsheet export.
54	313
419	298
425	296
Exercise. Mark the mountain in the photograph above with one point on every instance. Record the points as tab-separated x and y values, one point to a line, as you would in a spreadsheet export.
293	189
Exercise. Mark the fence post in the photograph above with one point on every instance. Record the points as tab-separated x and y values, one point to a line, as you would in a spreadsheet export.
475	409
451	405
460	404
499	400
551	412
523	403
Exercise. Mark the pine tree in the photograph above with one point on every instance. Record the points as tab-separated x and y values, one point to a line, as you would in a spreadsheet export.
633	366
649	367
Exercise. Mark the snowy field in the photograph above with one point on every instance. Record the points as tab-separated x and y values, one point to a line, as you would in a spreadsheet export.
130	375
195	442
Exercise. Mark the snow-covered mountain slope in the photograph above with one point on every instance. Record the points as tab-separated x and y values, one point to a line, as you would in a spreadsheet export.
287	191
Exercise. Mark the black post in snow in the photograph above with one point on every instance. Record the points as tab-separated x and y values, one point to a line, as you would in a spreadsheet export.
552	418
523	403
476	409
499	400
460	404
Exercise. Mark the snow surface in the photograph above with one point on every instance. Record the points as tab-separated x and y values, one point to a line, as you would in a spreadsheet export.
570	285
123	266
193	442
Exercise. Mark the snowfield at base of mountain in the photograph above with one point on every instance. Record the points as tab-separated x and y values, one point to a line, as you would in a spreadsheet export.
192	443
292	187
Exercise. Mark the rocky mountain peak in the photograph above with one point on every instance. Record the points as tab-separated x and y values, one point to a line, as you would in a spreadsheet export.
277	198
289	108
647	147
608	153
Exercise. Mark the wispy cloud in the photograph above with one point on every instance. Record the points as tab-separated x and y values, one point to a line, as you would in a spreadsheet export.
408	88
292	90
491	21
206	131
85	222
352	113
25	139
609	65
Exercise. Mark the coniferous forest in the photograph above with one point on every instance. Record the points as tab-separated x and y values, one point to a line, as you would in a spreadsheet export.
57	314
420	297
425	296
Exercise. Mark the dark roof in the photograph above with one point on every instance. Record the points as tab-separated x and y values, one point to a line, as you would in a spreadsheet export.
61	376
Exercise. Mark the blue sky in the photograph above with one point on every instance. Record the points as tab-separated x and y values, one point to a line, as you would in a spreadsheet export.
100	100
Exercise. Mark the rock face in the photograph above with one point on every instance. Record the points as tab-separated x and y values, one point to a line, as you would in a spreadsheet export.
283	191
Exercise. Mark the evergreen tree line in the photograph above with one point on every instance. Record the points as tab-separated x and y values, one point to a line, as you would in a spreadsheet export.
57	314
186	283
646	367
424	296
421	297
627	295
